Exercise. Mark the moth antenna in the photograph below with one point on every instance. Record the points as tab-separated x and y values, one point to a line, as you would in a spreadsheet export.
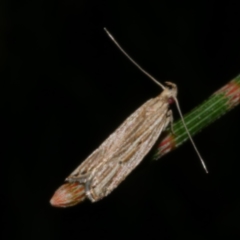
162	86
189	135
133	61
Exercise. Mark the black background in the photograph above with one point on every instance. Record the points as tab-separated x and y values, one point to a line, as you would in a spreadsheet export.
65	87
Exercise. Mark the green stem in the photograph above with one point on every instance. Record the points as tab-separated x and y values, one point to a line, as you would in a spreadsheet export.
222	101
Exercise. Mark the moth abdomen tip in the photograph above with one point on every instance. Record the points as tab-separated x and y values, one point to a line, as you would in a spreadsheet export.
69	194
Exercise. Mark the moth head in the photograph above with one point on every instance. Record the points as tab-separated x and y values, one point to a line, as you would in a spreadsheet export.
170	92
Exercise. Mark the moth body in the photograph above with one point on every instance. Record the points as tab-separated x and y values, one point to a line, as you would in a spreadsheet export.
124	149
99	174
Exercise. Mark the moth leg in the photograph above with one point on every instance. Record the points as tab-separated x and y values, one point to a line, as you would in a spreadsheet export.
170	120
89	193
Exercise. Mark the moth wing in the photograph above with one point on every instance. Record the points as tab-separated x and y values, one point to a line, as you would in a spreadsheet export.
112	144
136	159
110	175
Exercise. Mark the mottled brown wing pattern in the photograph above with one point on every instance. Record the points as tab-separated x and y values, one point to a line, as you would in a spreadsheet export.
111	144
123	150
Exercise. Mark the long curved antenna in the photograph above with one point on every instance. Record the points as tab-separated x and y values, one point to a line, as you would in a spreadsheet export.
190	137
159	84
136	64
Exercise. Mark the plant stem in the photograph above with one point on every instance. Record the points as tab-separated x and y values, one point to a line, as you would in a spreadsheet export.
222	101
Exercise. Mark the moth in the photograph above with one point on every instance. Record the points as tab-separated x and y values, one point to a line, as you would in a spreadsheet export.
123	150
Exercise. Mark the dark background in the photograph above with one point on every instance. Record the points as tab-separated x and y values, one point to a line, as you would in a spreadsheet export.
65	87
